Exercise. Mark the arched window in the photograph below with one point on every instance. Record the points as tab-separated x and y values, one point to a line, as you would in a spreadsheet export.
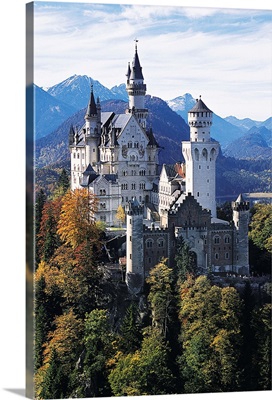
213	153
227	239
149	243
205	154
196	154
216	239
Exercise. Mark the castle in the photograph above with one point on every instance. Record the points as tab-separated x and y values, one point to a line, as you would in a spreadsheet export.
115	156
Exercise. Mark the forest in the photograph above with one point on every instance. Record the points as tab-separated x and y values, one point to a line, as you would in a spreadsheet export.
186	333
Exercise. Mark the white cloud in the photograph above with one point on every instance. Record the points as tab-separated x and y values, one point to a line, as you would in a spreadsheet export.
225	53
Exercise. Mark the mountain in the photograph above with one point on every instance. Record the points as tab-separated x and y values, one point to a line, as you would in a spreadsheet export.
222	131
247	123
75	91
255	144
49	112
120	91
168	127
182	104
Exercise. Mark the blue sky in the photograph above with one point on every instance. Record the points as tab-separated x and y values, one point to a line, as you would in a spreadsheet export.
224	54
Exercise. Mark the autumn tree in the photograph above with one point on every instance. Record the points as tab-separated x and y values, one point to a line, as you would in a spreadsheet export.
120	215
76	223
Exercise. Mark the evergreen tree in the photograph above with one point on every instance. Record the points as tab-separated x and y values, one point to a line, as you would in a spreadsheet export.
130	331
55	381
210	336
63	184
262	357
161	296
185	261
144	372
41	322
90	379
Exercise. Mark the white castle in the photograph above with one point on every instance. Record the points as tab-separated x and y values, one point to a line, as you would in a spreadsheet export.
116	157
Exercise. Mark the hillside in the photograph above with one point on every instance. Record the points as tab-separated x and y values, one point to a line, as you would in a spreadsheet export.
252	146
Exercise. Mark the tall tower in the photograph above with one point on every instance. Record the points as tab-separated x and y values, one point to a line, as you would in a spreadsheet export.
136	89
200	154
134	247
92	130
241	220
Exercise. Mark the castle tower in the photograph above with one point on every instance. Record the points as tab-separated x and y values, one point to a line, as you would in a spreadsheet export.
200	154
92	130
241	220
136	89
134	247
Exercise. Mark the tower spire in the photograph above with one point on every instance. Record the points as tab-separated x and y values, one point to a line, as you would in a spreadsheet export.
136	88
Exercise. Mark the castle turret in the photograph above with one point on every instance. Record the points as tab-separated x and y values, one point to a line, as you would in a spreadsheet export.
134	247
136	89
241	220
93	130
200	154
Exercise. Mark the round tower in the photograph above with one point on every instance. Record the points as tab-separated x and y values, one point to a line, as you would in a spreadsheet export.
92	130
200	154
240	209
136	89
134	247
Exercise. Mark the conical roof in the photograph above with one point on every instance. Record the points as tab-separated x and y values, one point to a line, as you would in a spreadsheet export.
200	106
240	199
136	71
91	109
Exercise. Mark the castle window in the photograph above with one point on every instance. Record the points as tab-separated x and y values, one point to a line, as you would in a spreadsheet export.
74	155
77	155
197	194
149	243
133	186
93	150
226	255
160	243
227	239
216	256
216	240
205	154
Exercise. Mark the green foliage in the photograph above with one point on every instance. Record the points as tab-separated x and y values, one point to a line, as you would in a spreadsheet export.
55	381
91	377
185	261
161	295
130	330
261	226
210	336
144	372
262	357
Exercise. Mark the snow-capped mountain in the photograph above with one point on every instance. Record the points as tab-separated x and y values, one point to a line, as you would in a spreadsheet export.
222	130
182	104
75	91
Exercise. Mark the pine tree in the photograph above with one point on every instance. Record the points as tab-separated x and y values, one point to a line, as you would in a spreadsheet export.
130	331
55	381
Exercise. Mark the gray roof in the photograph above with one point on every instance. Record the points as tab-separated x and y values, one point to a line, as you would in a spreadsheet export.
199	106
120	120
